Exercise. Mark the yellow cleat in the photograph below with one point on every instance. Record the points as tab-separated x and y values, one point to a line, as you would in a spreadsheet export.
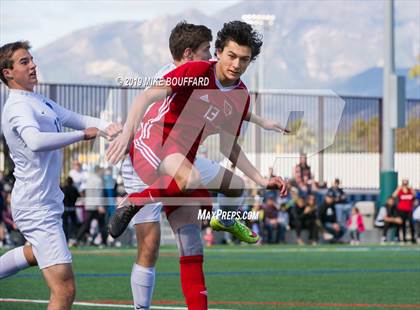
239	230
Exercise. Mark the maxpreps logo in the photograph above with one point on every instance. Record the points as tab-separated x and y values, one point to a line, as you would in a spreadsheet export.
204	215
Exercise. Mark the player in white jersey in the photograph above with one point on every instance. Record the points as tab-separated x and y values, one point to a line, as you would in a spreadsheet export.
32	126
187	42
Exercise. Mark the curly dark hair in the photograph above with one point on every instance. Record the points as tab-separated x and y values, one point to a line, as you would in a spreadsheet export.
185	35
242	34
6	53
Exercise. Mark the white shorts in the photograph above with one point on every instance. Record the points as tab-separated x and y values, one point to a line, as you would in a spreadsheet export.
133	184
43	229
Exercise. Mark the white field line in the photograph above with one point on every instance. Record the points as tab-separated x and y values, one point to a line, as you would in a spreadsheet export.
91	304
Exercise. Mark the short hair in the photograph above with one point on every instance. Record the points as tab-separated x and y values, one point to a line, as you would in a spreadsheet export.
6	54
69	181
185	35
242	34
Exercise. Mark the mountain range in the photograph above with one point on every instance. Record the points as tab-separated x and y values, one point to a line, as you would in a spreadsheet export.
333	44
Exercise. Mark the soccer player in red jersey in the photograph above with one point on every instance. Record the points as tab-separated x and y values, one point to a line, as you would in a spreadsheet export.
197	99
164	148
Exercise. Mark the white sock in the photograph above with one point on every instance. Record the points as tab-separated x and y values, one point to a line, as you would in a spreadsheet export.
142	284
12	262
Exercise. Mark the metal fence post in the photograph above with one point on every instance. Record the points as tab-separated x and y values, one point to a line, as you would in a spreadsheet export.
321	139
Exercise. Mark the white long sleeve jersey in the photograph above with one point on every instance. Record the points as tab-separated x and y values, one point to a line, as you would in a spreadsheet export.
32	125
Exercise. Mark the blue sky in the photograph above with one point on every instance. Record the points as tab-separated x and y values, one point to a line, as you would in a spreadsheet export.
45	21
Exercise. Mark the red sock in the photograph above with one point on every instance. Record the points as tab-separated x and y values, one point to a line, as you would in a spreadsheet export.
164	186
192	281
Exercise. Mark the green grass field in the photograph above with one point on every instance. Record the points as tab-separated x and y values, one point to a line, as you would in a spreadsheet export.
243	277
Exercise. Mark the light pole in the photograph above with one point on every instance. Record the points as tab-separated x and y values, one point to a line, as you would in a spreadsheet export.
393	107
261	22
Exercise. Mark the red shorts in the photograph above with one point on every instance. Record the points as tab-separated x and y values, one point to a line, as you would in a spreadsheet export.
203	198
146	156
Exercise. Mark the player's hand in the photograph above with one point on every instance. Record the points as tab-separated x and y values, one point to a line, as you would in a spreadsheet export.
268	124
118	148
277	183
112	131
90	133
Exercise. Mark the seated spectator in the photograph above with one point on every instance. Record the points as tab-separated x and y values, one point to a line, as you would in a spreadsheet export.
356	226
405	195
283	224
270	218
304	218
388	219
312	210
328	218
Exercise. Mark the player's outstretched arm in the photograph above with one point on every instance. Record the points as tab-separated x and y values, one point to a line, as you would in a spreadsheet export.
265	123
77	121
38	141
118	148
230	148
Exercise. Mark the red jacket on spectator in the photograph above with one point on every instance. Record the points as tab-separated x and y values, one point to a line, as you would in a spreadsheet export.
360	225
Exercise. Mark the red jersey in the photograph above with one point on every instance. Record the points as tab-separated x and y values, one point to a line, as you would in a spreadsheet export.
405	201
198	107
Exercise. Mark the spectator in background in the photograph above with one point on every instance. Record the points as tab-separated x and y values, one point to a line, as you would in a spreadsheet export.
342	208
78	175
416	215
302	173
94	206
2	207
208	237
15	237
304	217
303	176
405	195
416	218
109	191
356	226
388	218
283	223
270	217
271	192
337	192
312	212
328	217
257	224
70	222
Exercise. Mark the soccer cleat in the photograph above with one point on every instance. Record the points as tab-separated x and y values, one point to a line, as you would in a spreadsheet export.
122	217
238	229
